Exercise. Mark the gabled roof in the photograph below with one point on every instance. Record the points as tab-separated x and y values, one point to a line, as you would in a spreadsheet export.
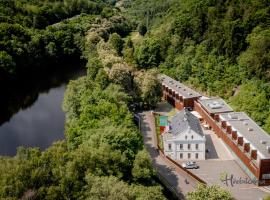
184	121
178	87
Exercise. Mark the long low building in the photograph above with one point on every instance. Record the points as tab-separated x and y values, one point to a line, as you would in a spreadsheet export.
177	93
249	142
246	140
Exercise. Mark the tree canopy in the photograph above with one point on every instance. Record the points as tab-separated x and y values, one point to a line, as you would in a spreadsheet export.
218	48
209	192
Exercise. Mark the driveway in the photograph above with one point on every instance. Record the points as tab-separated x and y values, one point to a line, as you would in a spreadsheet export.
173	176
217	149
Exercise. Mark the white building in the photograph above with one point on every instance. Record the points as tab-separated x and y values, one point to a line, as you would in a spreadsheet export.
185	139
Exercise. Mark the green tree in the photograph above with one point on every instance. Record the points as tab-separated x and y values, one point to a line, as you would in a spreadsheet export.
266	126
253	98
116	43
128	51
148	193
93	66
102	79
142	29
6	62
113	188
257	57
107	12
148	87
149	53
107	188
121	74
209	192
73	97
51	49
142	168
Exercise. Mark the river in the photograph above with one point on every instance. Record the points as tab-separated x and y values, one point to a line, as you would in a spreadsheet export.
30	110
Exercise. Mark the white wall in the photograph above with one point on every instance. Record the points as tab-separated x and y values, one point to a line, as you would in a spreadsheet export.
175	151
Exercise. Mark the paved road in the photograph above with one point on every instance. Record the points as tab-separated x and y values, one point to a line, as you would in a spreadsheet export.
166	169
211	170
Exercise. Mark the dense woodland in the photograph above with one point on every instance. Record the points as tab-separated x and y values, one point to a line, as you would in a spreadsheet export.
103	155
31	36
218	48
221	48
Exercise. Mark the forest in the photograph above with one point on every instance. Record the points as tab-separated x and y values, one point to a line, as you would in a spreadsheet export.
216	47
220	48
103	155
36	34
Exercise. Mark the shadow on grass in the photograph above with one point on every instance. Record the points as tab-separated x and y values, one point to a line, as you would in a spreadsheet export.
164	107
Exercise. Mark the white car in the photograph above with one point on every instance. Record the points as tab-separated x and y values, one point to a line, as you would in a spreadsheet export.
190	165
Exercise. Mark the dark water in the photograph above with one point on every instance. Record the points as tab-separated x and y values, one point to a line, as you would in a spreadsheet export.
30	110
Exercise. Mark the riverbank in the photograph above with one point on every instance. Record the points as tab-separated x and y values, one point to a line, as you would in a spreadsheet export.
30	107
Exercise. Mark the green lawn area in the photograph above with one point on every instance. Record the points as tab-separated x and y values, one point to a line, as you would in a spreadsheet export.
166	109
159	138
172	113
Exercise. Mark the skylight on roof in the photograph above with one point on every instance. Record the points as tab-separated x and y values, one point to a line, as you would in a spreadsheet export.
215	105
232	116
268	148
250	129
263	141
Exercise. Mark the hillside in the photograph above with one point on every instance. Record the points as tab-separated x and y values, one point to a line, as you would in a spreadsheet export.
32	37
103	155
219	48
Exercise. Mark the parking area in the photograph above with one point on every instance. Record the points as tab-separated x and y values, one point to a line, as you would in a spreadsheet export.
220	166
228	175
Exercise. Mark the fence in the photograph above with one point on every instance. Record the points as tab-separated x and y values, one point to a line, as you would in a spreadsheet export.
181	168
171	188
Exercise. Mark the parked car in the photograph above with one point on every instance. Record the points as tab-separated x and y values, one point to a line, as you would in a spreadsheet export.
207	150
190	165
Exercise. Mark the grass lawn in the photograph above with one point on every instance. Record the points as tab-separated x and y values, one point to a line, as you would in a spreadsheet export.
159	138
172	113
166	109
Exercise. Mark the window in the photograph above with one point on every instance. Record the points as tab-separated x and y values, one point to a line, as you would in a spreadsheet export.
197	146
186	137
188	155
181	146
192	137
196	155
188	146
170	146
181	155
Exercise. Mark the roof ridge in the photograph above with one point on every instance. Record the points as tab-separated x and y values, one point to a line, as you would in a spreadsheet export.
185	120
